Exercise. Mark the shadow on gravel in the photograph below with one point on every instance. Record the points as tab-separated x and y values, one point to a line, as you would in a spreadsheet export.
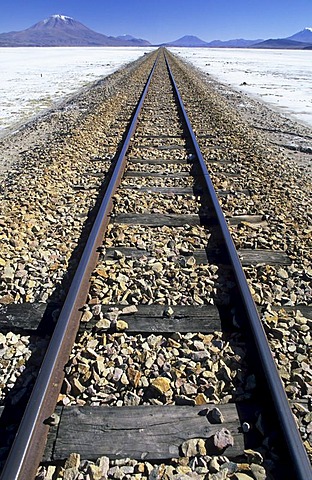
250	392
12	409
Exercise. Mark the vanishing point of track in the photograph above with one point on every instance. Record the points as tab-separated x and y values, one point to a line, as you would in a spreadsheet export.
28	447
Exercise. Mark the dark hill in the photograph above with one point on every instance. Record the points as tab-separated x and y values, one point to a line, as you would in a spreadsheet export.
187	41
281	43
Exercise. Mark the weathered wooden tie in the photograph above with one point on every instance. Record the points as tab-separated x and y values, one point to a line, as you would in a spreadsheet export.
143	432
176	220
162	319
159	161
196	190
27	317
247	256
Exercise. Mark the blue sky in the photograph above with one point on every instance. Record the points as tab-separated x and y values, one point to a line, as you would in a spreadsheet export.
165	20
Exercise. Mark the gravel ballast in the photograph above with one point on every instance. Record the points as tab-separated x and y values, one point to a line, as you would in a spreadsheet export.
50	189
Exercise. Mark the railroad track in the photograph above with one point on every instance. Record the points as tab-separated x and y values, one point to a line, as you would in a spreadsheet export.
181	364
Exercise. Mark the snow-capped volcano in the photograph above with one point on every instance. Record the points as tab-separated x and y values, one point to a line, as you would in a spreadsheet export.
60	30
64	18
61	23
55	19
304	35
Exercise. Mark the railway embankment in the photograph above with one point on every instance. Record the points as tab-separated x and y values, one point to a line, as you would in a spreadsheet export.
54	177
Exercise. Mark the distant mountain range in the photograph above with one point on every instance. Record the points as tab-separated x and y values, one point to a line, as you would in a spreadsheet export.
299	41
191	41
60	30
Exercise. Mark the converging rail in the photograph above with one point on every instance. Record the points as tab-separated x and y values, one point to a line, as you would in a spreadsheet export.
286	418
29	445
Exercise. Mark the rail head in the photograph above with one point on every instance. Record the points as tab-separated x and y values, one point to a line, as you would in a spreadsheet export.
298	455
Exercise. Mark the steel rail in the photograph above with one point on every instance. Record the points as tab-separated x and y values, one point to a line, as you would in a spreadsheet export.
28	446
298	455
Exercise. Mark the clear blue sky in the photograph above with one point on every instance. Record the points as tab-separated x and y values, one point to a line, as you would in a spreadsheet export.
165	20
